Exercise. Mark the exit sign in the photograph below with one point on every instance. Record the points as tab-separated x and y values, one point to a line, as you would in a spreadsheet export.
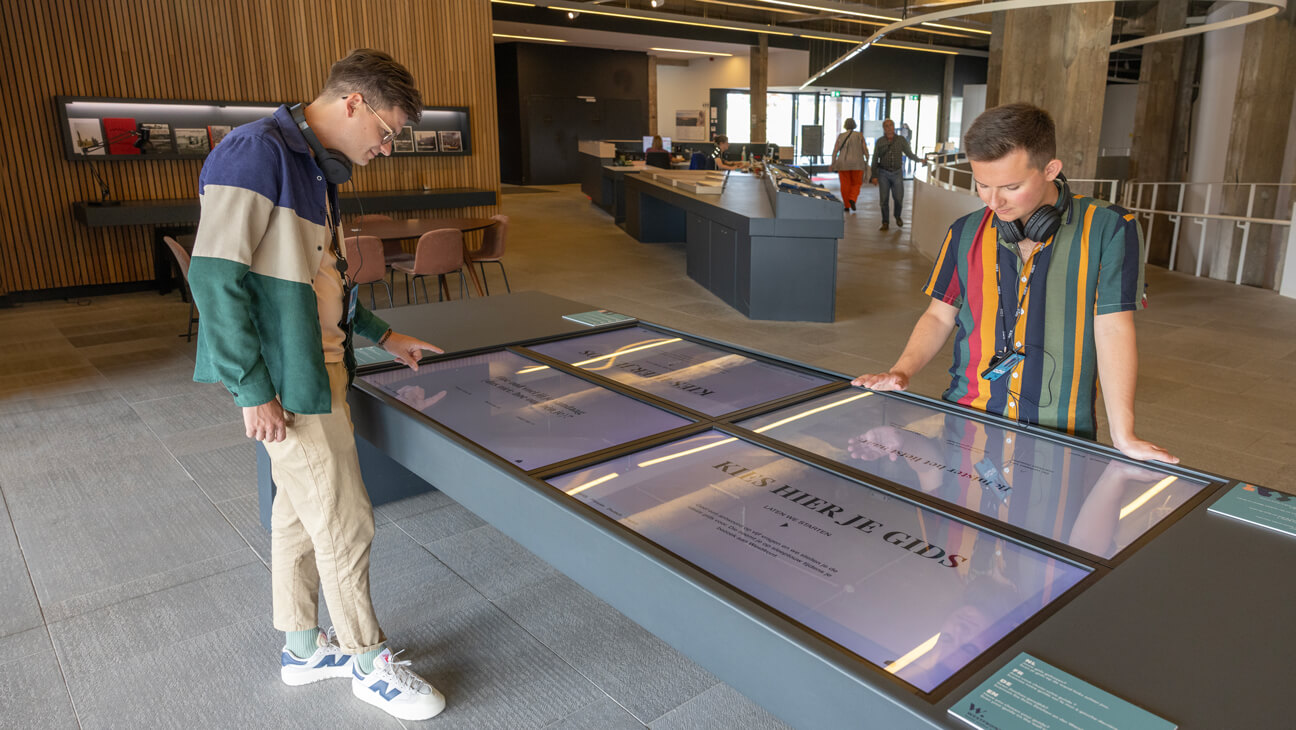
836	94
913	97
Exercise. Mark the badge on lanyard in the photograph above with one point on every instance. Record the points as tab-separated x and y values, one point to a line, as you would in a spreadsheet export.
353	294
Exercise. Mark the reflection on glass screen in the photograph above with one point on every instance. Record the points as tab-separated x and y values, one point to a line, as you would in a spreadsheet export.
698	376
914	592
1072	495
527	413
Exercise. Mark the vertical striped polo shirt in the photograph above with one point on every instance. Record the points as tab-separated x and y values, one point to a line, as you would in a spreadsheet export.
1092	266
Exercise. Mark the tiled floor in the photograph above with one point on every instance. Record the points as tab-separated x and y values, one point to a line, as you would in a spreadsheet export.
133	583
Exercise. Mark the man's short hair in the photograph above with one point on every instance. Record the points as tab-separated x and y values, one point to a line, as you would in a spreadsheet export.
1002	129
721	139
384	83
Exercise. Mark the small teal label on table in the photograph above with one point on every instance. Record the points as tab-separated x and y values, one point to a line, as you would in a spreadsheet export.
372	355
1260	506
1029	694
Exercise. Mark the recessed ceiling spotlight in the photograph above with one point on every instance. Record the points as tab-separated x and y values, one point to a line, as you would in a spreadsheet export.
572	15
657	3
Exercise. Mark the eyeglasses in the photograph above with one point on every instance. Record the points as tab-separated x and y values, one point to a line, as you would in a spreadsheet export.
387	139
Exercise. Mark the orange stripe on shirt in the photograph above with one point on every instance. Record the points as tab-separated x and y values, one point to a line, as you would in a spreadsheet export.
1077	354
940	261
983	341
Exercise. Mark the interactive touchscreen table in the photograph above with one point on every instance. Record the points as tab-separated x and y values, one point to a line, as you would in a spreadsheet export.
843	557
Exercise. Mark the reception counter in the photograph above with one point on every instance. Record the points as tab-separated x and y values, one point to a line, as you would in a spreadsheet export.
766	257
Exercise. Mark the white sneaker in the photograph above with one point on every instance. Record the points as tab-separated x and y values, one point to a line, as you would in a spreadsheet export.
396	689
327	662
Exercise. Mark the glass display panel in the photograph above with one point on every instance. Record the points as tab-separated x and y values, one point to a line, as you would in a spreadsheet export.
910	590
1072	495
527	413
705	378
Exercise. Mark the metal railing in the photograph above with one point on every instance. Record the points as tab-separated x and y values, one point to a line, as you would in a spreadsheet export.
1173	201
950	171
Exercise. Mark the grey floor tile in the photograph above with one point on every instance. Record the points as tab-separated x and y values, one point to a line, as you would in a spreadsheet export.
15	647
55	402
417	504
494	674
99	480
720	708
178	413
636	669
438	524
209	438
244	514
36	440
410	586
602	715
491	562
74	550
19	611
32	693
149	382
101	641
221	677
154	583
224	473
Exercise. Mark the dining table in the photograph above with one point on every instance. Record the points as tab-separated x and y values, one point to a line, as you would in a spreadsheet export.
396	230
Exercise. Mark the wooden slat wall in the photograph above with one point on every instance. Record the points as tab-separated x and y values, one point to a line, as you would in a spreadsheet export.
236	50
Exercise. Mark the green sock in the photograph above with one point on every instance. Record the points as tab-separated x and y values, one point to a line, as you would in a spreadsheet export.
367	659
303	643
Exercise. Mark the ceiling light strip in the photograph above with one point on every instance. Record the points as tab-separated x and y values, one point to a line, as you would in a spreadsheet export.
957	27
829	9
681	50
663	18
528	38
990	7
916	48
751	7
1231	22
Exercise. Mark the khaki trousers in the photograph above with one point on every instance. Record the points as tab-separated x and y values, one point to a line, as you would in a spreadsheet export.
322	526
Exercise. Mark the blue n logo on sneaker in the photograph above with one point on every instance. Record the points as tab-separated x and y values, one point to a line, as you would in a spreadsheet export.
385	692
336	660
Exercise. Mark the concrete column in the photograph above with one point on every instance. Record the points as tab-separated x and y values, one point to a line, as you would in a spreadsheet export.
1157	116
1157	107
947	98
994	66
1056	58
759	83
1258	138
652	95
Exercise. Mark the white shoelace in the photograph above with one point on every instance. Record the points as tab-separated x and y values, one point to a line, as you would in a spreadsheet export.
404	677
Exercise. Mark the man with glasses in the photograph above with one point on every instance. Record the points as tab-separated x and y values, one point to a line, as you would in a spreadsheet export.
278	313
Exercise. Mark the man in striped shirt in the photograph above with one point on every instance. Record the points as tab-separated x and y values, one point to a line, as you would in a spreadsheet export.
1040	289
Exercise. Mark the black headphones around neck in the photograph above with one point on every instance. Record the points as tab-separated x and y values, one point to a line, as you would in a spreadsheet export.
1043	223
335	165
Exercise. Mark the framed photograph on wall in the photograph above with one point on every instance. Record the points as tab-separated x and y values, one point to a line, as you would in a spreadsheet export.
690	124
404	141
217	132
425	142
86	133
160	141
192	141
450	141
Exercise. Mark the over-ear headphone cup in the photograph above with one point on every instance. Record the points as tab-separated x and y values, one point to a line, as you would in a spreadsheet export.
1043	223
1009	231
335	166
